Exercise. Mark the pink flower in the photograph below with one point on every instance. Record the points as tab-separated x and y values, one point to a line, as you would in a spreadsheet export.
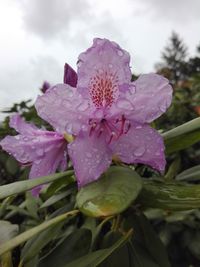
108	113
44	150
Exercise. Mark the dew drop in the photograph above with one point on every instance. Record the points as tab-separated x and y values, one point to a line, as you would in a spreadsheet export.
162	107
110	66
125	104
69	93
83	106
120	53
89	155
69	128
40	152
79	63
138	152
38	161
138	127
66	103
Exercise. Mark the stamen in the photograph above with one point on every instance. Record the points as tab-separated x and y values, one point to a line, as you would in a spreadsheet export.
94	125
113	131
111	137
128	128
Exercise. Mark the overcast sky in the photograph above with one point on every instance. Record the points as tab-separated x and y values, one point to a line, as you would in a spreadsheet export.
38	36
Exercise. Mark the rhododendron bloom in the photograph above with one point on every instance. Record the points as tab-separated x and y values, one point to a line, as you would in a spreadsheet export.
107	113
44	150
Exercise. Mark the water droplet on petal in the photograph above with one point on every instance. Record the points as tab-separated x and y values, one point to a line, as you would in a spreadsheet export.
158	153
125	104
83	106
17	137
69	93
38	161
139	151
162	107
40	152
66	103
138	127
79	63
89	155
110	66
69	128
120	53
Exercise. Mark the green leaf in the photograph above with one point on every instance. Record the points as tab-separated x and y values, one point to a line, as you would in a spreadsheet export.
55	198
74	246
33	231
19	187
12	165
191	174
173	196
34	245
152	242
93	259
118	258
111	194
146	246
182	136
32	205
7	231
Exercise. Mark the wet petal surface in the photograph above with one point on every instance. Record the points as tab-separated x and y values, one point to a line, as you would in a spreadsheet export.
64	108
91	156
142	144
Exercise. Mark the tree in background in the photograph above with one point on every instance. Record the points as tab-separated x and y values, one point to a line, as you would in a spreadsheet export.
184	73
174	58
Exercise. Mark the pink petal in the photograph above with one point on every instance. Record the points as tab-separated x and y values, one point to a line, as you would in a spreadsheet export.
64	108
102	70
153	95
21	126
28	148
141	144
90	156
70	76
48	164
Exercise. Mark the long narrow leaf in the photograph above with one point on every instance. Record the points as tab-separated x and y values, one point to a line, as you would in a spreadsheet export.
19	187
9	245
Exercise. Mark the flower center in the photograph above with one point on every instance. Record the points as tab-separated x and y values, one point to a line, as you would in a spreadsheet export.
103	88
113	128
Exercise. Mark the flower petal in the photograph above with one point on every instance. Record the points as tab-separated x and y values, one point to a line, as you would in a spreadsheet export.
141	144
102	70
90	156
152	97
64	108
70	76
48	164
21	126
